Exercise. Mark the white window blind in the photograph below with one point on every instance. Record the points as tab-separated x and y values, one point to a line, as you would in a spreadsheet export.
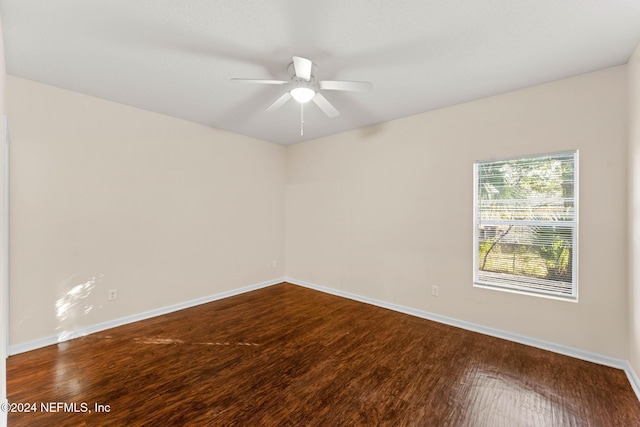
526	217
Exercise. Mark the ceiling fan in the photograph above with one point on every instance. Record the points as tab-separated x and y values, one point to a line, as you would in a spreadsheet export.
304	86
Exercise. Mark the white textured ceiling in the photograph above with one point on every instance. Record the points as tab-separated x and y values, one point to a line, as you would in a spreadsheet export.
176	57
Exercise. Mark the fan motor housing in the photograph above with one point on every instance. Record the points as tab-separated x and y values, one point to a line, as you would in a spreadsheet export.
292	72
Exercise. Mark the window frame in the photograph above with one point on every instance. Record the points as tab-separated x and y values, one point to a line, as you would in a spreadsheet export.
574	225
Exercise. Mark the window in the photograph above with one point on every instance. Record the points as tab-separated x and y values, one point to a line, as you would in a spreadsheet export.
526	224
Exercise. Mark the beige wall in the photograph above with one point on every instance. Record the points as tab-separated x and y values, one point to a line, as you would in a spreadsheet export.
105	196
108	196
634	210
386	212
3	314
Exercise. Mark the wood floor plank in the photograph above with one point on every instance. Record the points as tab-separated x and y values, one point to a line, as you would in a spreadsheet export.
287	355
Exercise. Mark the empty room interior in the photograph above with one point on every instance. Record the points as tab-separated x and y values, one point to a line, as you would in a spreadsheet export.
320	213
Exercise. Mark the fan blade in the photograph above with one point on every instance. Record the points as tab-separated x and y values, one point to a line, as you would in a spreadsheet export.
279	102
261	82
325	105
346	85
302	67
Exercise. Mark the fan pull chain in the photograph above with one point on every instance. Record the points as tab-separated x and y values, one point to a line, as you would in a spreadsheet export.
301	119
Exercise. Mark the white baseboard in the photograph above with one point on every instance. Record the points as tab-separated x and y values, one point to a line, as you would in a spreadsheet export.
633	378
498	333
54	339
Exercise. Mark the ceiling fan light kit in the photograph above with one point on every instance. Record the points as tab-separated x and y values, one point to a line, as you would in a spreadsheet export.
303	94
305	88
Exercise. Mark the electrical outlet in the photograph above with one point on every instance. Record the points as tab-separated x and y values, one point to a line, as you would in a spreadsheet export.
435	291
274	264
113	294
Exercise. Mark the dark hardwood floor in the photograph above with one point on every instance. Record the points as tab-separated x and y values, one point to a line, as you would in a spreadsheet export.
287	355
